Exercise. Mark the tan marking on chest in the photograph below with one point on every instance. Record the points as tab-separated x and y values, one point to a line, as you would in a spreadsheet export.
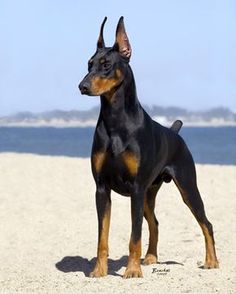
131	161
98	160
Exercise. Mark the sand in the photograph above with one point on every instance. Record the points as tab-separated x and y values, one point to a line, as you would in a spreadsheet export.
49	231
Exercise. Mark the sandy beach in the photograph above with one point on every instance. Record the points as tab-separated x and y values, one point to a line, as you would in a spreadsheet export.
49	231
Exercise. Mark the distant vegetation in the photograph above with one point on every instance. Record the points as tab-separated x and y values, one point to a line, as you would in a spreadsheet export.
219	115
214	114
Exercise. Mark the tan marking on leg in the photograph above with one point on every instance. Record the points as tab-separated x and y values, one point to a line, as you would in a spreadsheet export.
101	268
98	160
151	255
131	161
211	259
133	269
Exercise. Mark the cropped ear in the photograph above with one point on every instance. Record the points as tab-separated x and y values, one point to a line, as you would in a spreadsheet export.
101	43
122	41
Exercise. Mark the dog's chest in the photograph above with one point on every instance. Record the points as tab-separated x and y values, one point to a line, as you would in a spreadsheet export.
117	145
118	171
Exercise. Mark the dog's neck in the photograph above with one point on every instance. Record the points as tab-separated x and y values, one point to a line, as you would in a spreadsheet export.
121	114
122	105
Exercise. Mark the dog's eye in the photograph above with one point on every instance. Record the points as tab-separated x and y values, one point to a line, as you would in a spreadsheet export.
106	65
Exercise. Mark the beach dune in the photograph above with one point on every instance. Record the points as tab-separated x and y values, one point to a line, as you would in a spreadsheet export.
49	231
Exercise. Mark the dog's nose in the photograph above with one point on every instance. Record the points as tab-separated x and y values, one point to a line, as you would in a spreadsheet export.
84	88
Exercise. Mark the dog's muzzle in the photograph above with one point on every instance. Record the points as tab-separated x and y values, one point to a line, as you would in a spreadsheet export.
84	88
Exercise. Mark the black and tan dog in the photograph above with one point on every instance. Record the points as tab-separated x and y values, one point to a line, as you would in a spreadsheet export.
133	155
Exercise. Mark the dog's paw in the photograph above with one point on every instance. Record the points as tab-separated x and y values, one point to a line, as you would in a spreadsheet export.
150	259
211	264
98	272
133	272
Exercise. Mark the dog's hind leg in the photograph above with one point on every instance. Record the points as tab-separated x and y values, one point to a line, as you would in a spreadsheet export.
149	214
184	176
149	206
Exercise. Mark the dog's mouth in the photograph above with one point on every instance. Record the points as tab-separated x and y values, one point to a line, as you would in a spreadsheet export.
97	85
87	89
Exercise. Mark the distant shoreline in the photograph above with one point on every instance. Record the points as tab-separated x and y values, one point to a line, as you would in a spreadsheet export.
92	123
215	117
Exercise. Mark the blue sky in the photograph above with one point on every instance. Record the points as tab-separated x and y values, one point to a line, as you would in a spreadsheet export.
184	52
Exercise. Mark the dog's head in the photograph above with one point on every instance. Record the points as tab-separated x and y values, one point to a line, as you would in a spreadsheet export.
107	67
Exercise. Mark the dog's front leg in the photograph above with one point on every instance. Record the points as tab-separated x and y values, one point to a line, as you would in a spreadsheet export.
133	269
103	205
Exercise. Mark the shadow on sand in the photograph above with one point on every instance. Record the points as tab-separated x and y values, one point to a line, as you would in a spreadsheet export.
81	264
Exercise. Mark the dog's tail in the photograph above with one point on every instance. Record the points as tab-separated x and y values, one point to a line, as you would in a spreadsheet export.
176	126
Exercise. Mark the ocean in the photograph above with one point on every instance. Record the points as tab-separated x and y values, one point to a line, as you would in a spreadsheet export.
208	145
